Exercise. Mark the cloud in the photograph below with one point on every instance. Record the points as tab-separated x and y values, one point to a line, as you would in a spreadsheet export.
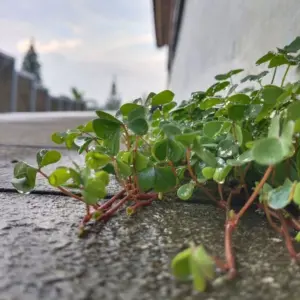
53	46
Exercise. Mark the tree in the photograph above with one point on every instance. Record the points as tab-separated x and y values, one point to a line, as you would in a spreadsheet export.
77	95
31	63
113	102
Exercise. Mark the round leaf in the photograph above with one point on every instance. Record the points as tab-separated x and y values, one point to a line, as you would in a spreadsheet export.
96	160
268	151
280	197
46	157
59	176
185	192
162	98
181	266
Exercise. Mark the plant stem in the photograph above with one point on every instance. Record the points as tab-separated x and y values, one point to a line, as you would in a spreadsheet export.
110	212
254	194
66	192
274	74
285	74
287	237
189	167
112	200
229	251
269	218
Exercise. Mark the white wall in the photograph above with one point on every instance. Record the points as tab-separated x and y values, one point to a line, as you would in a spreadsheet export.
219	35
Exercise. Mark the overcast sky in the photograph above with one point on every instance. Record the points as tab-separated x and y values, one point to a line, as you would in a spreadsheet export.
84	43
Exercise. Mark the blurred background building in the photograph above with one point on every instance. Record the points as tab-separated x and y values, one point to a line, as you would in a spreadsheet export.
208	37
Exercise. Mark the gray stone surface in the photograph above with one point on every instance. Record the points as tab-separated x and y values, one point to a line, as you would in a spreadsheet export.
129	258
38	132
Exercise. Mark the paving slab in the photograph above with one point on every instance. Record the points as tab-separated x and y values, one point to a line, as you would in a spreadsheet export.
37	131
41	256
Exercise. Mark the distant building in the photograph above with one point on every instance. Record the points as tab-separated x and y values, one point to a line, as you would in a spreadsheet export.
208	37
114	101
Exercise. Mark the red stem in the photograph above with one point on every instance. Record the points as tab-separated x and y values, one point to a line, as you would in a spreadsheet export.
254	194
110	212
287	237
66	192
228	250
111	201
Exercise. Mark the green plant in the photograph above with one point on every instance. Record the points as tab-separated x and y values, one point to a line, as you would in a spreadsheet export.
221	141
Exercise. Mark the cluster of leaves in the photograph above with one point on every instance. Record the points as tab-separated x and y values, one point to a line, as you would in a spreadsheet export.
218	134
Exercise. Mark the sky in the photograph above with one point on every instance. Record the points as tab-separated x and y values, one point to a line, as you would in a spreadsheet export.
85	43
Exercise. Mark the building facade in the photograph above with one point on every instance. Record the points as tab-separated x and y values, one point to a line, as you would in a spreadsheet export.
209	37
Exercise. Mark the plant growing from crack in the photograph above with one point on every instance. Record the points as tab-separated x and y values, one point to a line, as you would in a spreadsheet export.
222	142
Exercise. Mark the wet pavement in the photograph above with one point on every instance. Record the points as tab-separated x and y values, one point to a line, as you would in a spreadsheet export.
128	258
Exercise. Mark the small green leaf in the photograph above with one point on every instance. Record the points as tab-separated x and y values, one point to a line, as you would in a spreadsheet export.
228	74
105	128
171	130
181	266
169	106
59	176
270	93
88	127
141	161
187	138
239	99
24	177
210	102
227	148
165	179
241	160
294	46
128	107
268	151
297	194
277	61
96	160
217	87
274	129
162	98
280	197
208	172
212	128
124	169
185	192
202	268
106	116
103	176
293	111
94	190
160	150
137	122
238	134
264	193
146	179
58	137
221	174
297	237
237	112
46	157
265	58
257	77
175	151
298	162
204	154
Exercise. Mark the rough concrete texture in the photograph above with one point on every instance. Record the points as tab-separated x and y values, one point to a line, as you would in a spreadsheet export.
129	258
